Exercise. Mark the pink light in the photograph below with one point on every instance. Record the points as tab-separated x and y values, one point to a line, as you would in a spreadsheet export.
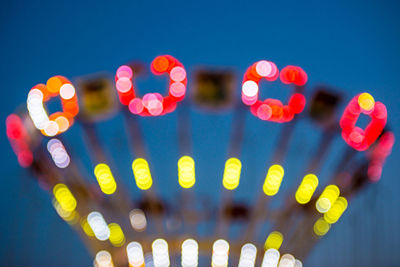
264	68
136	106
177	89
178	74
264	112
123	84
124	72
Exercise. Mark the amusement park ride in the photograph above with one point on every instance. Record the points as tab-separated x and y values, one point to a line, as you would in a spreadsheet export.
122	230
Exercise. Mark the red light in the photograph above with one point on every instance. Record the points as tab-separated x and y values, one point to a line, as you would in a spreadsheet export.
293	74
18	137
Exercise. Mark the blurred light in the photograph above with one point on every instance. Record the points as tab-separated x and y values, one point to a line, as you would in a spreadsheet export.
98	225
160	253
186	172
19	140
103	259
271	258
160	64
321	227
327	198
274	240
232	170
220	253
248	255
148	260
293	74
71	217
306	188
64	197
67	91
124	72
336	211
190	253
264	68
135	254
58	153
138	220
297	263
249	92
273	180
287	260
86	227
117	237
177	89
178	74
105	178
142	174
366	102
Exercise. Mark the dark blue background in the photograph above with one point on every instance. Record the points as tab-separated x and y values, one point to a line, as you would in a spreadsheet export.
352	45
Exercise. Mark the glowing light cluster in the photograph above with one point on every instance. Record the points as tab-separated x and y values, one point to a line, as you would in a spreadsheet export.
64	197
142	174
274	240
19	140
190	253
327	198
103	259
321	227
135	254
378	156
231	176
58	153
117	237
287	260
98	225
336	211
273	180
71	217
220	253
306	188
354	136
57	122
271	258
248	255
138	220
186	172
153	104
160	253
105	178
272	109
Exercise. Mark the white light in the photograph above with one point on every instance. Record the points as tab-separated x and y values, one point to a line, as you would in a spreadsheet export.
138	220
98	225
58	153
103	259
271	258
67	91
135	254
160	253
51	129
287	260
250	88
220	253
298	263
248	255
190	253
264	68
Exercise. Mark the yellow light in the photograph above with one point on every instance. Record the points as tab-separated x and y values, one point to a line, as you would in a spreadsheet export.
327	198
366	101
232	170
71	217
273	180
86	227
186	173
333	215
274	240
64	197
142	173
321	227
306	188
117	237
105	179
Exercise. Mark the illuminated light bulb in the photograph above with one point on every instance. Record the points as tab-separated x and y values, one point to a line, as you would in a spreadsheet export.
220	253
271	258
160	253
248	255
103	259
297	263
117	237
142	174
366	102
62	122
177	89
124	72
250	88
64	197
273	180
138	220
69	216
177	74
86	227
186	172
135	254
190	253
58	153
321	227
306	189
232	170
264	112
123	85
105	179
274	240
136	106
327	198
154	103
51	128
297	102
160	64
98	225
336	211
67	91
264	68
287	260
